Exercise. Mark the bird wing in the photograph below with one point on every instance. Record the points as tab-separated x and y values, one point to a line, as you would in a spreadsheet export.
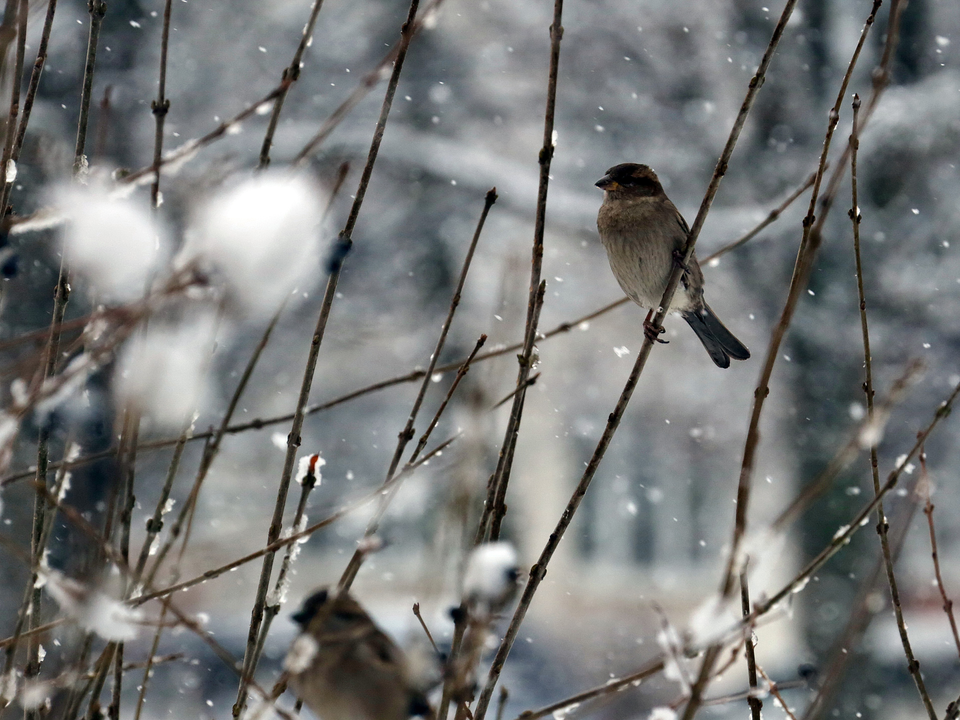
681	241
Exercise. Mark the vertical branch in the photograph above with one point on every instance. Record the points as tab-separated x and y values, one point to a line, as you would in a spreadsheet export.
928	511
215	438
160	107
97	10
913	665
496	504
210	450
276	598
61	296
538	571
406	435
293	439
126	500
30	96
290	75
103	123
755	703
861	615
809	245
22	12
39	547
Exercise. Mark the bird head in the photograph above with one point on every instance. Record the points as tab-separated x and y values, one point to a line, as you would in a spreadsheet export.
631	179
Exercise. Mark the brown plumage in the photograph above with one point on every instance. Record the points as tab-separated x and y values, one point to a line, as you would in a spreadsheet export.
344	667
644	234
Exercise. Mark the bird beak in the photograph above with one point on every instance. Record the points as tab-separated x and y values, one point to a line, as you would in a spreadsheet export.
607	183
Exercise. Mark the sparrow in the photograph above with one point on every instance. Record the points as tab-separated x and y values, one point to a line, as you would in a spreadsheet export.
644	235
344	667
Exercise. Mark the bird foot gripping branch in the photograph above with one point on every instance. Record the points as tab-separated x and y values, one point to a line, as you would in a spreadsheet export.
652	331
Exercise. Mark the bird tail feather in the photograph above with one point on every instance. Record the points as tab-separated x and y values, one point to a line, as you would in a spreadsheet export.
720	343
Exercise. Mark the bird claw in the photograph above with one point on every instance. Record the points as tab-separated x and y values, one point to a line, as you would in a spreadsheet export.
652	332
678	261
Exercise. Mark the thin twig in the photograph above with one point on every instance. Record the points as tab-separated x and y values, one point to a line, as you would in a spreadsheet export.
633	679
160	107
30	96
423	624
913	665
798	284
290	75
293	439
103	124
863	611
49	369
768	220
274	600
844	534
155	524
191	147
408	431
809	244
755	703
928	511
531	381
22	13
295	537
496	507
38	550
953	710
98	9
393	57
148	666
848	452
502	702
775	691
539	570
461	373
390	487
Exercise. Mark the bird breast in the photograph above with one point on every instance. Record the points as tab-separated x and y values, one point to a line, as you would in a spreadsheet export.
640	236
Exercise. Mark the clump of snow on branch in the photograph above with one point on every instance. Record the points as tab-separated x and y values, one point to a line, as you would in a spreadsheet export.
310	464
712	621
669	641
65	387
36	694
563	712
91	608
114	243
263	236
491	577
762	555
663	713
260	708
164	373
8	686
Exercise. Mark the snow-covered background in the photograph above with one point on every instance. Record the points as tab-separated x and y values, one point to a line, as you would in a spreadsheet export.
653	81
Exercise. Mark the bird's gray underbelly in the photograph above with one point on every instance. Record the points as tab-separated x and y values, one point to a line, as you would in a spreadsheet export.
643	273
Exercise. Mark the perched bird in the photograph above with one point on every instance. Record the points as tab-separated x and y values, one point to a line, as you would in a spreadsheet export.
644	234
344	667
